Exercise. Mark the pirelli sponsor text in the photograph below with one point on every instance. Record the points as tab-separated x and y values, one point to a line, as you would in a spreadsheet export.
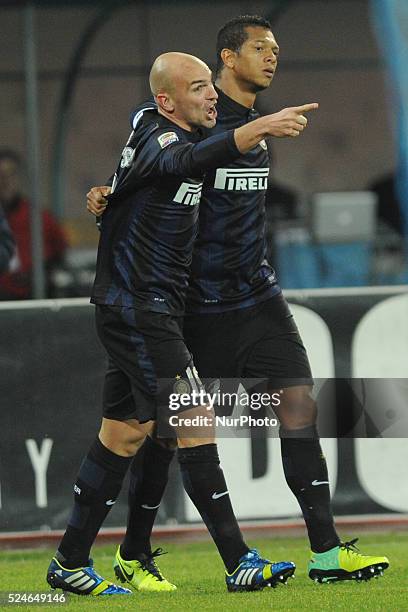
241	179
188	194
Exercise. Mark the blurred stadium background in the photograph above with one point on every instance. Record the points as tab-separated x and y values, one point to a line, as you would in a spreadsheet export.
70	74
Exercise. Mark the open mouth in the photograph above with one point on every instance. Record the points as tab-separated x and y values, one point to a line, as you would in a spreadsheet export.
212	112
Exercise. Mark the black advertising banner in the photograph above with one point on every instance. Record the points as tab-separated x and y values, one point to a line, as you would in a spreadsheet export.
51	374
50	384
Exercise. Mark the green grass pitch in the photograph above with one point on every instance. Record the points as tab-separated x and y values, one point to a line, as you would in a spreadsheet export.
196	569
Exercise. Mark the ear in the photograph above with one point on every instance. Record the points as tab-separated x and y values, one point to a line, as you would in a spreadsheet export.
228	57
165	102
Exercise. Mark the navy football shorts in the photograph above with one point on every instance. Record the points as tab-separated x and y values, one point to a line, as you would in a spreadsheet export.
258	342
148	361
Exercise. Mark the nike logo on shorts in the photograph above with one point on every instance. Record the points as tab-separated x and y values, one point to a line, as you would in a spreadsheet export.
146	507
110	502
316	483
218	495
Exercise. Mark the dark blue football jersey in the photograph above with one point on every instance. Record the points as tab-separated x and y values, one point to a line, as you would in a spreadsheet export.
150	223
229	267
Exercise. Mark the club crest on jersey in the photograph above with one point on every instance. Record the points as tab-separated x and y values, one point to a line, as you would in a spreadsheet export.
190	382
167	138
263	145
127	157
181	386
188	194
241	179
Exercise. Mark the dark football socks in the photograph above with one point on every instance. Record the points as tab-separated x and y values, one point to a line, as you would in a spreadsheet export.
97	486
149	473
305	471
205	484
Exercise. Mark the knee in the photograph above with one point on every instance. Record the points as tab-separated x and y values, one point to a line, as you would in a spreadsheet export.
121	438
196	427
130	445
126	446
297	408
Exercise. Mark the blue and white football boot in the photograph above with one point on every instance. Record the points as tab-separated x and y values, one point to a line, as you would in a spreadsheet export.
254	573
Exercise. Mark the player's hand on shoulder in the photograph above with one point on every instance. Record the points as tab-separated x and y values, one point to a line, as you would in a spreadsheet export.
289	122
95	200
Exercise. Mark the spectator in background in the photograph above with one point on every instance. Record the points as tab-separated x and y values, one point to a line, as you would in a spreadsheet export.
16	283
7	245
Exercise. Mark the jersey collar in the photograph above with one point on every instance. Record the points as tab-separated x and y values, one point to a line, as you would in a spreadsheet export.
235	107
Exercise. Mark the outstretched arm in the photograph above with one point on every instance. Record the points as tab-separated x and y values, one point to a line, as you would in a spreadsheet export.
185	159
289	122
